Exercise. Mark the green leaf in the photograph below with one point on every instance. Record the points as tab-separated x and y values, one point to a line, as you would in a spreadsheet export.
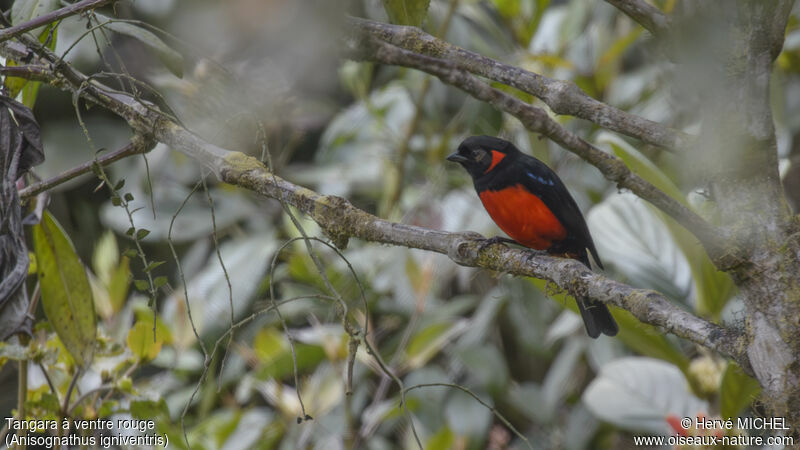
128	197
713	287
131	253
268	345
141	285
32	269
107	408
148	409
141	233
66	293
141	342
119	283
442	440
130	231
25	10
115	200
119	184
150	267
406	12
638	394
640	165
425	344
105	256
737	391
169	57
647	340
144	314
159	281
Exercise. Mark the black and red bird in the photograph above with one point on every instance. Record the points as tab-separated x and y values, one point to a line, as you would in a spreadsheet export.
528	201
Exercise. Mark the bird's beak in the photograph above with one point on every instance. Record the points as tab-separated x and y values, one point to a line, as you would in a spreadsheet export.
455	157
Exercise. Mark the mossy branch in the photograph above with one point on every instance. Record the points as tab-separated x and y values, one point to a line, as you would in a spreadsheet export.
341	221
563	97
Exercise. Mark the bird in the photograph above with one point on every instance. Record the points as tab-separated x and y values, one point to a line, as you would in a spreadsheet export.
531	204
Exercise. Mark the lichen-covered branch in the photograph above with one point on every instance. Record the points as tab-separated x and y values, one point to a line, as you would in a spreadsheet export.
341	220
563	97
537	120
645	14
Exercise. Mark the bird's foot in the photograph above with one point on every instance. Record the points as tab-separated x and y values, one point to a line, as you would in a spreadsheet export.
531	253
494	240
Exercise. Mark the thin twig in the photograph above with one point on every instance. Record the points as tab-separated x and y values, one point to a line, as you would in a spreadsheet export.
537	120
44	19
645	14
473	395
214	238
133	148
563	97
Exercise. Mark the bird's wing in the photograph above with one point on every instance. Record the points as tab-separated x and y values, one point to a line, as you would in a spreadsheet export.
539	179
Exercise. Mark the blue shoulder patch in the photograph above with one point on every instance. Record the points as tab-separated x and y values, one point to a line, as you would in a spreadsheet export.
542	180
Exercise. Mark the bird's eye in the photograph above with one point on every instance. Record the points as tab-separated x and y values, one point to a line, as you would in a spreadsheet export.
478	155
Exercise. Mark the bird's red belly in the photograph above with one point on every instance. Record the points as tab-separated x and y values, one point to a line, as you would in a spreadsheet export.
523	216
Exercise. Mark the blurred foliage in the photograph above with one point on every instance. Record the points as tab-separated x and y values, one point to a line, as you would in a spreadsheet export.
263	77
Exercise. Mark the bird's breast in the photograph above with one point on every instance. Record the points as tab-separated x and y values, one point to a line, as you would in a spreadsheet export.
523	216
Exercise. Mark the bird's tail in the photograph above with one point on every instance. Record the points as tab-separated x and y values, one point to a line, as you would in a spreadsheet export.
596	317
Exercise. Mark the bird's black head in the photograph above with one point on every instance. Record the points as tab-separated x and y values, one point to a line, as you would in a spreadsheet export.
481	154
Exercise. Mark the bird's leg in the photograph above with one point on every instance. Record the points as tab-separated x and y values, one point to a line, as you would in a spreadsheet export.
531	253
495	240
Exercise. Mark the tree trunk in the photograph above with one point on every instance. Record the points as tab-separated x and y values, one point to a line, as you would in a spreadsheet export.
725	57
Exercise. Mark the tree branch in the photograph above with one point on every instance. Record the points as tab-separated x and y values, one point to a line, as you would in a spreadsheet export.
563	97
136	146
645	14
340	220
70	10
537	120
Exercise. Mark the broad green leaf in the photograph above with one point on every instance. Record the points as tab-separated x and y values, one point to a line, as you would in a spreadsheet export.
406	12
308	357
145	314
29	89
647	340
442	440
107	408
638	394
66	294
641	337
636	242
425	344
269	344
119	284
148	409
32	269
465	415
737	391
141	342
25	10
608	64
640	165
272	350
713	288
168	56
